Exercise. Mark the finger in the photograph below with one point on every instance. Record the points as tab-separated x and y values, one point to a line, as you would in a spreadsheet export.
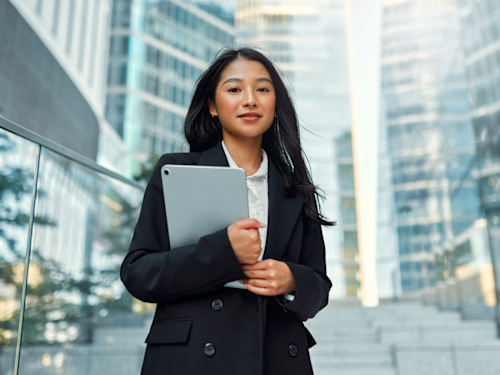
259	274
259	265
262	283
250	224
248	267
260	291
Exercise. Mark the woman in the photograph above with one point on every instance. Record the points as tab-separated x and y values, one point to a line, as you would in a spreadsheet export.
240	115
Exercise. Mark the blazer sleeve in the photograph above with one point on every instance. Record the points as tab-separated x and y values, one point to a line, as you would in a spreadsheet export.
311	282
153	272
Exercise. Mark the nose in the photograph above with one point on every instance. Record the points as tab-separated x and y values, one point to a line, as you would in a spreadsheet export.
249	99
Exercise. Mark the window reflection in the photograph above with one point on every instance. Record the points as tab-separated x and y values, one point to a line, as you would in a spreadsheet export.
17	173
79	318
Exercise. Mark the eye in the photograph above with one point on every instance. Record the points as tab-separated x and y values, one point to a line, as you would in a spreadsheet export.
263	89
233	90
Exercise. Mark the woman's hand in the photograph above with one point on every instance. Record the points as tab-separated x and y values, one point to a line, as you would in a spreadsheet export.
245	240
269	278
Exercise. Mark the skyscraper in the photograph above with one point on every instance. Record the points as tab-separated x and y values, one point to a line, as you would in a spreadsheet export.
481	42
158	50
53	69
307	41
427	203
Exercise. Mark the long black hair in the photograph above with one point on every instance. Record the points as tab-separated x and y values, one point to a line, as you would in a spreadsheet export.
281	141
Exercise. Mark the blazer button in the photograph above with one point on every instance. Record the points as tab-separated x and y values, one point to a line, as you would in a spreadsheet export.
209	349
217	305
293	350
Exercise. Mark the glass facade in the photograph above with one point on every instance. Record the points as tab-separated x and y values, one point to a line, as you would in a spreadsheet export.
158	49
75	314
481	32
34	86
427	146
307	41
18	159
433	232
345	174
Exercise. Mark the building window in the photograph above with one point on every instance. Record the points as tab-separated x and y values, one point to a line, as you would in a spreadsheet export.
71	20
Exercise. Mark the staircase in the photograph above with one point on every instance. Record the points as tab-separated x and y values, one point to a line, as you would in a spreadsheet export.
402	339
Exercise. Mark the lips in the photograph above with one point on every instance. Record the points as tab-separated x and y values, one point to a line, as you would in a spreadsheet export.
250	114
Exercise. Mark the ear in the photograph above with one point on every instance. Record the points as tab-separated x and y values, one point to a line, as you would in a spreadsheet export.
211	106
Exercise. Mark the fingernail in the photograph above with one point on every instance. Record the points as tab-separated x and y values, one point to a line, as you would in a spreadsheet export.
261	223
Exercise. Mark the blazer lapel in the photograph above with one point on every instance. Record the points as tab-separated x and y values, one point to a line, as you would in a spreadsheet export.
214	157
283	214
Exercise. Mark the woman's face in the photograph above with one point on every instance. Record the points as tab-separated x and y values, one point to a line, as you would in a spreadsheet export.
244	100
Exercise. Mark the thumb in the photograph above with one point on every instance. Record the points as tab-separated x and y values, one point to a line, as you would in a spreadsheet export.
250	224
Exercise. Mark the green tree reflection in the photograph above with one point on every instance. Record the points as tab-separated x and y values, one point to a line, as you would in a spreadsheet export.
62	307
16	185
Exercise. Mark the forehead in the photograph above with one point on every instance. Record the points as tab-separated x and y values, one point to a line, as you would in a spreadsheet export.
245	70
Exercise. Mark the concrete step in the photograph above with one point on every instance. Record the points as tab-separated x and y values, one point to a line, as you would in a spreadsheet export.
461	333
442	359
350	350
458	347
355	371
330	317
424	323
377	350
345	332
328	340
416	317
477	312
463	326
422	339
336	322
351	361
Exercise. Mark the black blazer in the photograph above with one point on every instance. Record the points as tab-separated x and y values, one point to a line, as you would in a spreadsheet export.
200	327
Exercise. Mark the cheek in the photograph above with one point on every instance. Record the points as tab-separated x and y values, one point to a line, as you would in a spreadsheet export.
270	104
227	104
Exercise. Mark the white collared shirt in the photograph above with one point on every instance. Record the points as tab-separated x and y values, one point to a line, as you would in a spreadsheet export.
258	199
257	189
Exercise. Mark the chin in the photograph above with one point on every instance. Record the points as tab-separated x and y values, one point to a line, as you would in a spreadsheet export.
252	132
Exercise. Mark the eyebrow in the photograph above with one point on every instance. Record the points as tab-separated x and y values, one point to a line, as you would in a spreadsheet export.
234	79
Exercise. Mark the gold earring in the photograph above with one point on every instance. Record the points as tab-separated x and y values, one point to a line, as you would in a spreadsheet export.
214	115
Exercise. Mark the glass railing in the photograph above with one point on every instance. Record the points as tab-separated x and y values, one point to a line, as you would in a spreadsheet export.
65	227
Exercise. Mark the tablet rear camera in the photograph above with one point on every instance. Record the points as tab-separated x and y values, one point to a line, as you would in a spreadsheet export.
166	171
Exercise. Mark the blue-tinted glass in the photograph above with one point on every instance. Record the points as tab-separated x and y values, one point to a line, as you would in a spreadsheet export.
17	178
79	319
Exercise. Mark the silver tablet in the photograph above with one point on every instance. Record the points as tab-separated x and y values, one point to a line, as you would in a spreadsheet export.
201	200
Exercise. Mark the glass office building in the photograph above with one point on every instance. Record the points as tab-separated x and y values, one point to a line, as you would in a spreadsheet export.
52	70
345	174
428	203
158	49
481	32
307	41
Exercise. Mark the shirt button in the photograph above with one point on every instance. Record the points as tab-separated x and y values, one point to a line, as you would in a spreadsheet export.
209	349
217	305
293	350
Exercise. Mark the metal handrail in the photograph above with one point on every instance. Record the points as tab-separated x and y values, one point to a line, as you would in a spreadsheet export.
61	150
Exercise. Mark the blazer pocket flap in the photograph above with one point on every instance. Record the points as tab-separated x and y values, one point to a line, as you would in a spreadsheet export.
175	331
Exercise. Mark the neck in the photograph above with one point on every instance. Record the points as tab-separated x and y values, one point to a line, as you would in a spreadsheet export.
246	153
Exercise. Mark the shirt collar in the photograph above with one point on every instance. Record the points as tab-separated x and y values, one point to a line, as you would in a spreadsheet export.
261	172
